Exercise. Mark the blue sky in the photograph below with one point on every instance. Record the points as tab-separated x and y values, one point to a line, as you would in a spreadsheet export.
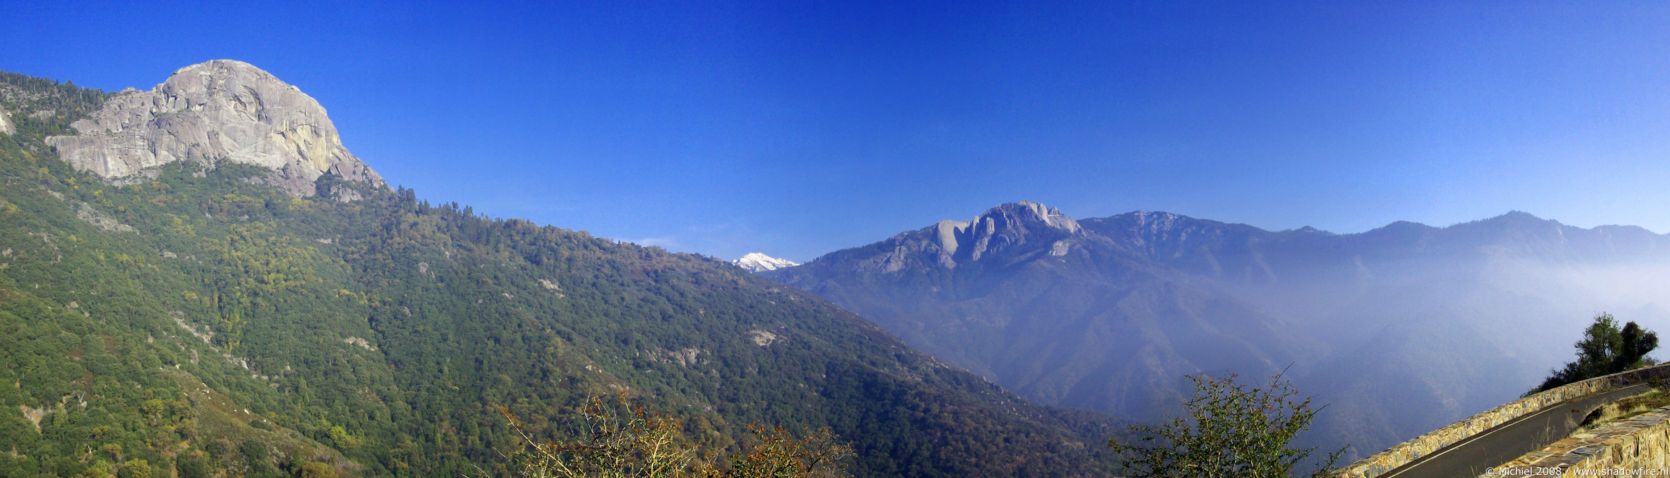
800	128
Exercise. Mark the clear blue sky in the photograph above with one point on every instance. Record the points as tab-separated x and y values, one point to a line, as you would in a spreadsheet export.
800	128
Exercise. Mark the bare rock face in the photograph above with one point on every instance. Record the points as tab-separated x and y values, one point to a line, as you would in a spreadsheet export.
1002	228
221	110
6	123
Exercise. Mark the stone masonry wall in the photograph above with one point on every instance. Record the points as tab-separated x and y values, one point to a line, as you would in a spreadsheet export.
1637	446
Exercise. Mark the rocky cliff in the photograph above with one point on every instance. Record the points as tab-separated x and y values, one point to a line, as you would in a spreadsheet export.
1003	227
1019	229
221	110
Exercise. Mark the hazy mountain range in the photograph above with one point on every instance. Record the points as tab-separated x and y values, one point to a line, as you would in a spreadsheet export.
1397	330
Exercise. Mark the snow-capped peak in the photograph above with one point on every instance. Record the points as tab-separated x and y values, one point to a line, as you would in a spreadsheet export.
758	262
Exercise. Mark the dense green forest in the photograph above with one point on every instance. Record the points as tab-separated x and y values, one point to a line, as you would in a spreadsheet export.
198	323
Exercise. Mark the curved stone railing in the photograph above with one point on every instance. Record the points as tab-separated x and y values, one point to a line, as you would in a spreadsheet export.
1637	446
1396	456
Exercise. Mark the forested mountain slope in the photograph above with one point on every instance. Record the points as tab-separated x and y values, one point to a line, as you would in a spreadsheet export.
199	319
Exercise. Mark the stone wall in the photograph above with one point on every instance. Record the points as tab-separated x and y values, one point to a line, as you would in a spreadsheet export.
1385	461
1637	446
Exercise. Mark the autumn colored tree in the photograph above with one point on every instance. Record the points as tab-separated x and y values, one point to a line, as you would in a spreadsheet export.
618	439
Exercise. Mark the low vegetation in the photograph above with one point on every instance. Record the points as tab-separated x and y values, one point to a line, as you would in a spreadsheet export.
1627	408
618	439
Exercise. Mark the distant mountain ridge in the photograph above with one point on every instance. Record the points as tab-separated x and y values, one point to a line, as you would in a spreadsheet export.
1400	328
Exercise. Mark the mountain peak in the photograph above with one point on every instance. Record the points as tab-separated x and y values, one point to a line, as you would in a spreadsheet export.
759	262
1518	215
222	69
1155	220
219	110
1515	218
1028	213
1002	227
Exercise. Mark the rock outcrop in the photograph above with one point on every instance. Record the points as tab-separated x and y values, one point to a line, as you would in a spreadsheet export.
1003	227
1005	230
6	123
221	110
